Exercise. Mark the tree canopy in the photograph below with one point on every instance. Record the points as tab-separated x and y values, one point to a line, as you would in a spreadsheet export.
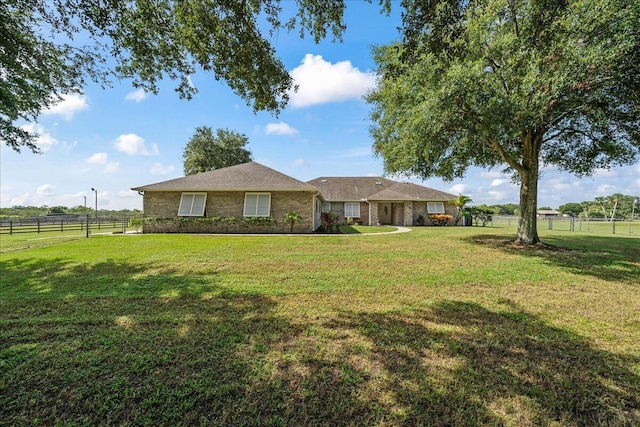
206	151
512	84
49	48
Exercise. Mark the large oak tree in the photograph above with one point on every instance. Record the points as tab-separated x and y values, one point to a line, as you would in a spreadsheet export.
49	48
205	151
517	84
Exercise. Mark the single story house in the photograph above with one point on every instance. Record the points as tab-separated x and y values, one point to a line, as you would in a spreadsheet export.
252	198
248	197
377	200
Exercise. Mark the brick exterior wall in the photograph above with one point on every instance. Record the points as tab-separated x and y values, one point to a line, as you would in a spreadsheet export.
338	209
412	210
420	208
228	204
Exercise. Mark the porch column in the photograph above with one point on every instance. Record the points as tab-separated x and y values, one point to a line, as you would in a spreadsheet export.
373	213
408	213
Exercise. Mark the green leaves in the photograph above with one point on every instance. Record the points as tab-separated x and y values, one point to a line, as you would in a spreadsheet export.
510	82
205	152
146	41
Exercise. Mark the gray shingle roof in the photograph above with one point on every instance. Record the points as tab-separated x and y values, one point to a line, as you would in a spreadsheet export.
345	189
250	176
408	191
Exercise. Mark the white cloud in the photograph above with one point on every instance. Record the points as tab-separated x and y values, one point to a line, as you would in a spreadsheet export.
44	141
604	173
281	128
498	182
298	162
559	184
46	190
491	175
497	195
321	82
128	194
98	159
605	189
458	189
132	144
112	167
68	106
137	95
160	169
20	200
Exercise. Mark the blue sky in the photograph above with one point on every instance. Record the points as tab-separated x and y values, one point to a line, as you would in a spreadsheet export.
117	138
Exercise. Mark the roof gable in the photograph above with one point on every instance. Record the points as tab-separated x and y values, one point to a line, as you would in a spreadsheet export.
350	188
249	176
409	191
344	189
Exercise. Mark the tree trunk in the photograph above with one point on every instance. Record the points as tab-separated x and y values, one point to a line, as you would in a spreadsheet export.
528	222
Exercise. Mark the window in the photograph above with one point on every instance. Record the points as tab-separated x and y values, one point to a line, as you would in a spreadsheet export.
192	204
352	210
435	207
257	204
326	207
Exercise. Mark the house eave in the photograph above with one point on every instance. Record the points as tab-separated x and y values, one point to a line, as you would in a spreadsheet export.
224	190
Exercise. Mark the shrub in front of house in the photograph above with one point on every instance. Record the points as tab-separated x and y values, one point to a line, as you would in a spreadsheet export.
213	224
440	219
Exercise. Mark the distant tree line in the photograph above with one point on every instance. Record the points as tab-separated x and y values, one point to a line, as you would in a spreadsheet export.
619	206
35	211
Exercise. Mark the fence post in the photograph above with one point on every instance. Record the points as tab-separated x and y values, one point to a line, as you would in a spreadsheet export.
10	227
87	228
61	225
550	223
613	224
38	222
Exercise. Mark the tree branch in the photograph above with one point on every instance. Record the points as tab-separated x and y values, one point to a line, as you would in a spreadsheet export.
494	144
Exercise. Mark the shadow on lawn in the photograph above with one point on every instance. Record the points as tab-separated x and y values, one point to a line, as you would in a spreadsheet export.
61	277
608	258
239	360
461	364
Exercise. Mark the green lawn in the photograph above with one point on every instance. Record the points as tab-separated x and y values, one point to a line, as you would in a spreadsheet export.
440	326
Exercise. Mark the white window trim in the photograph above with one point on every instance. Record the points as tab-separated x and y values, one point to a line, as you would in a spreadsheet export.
255	213
435	207
328	205
345	209
191	202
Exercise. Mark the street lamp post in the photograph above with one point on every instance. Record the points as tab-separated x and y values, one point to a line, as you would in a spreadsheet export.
96	191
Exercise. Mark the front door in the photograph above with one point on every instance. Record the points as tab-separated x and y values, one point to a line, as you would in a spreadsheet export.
384	213
397	212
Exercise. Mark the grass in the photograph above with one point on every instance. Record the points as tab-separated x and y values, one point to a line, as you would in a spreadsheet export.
22	241
365	229
440	326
